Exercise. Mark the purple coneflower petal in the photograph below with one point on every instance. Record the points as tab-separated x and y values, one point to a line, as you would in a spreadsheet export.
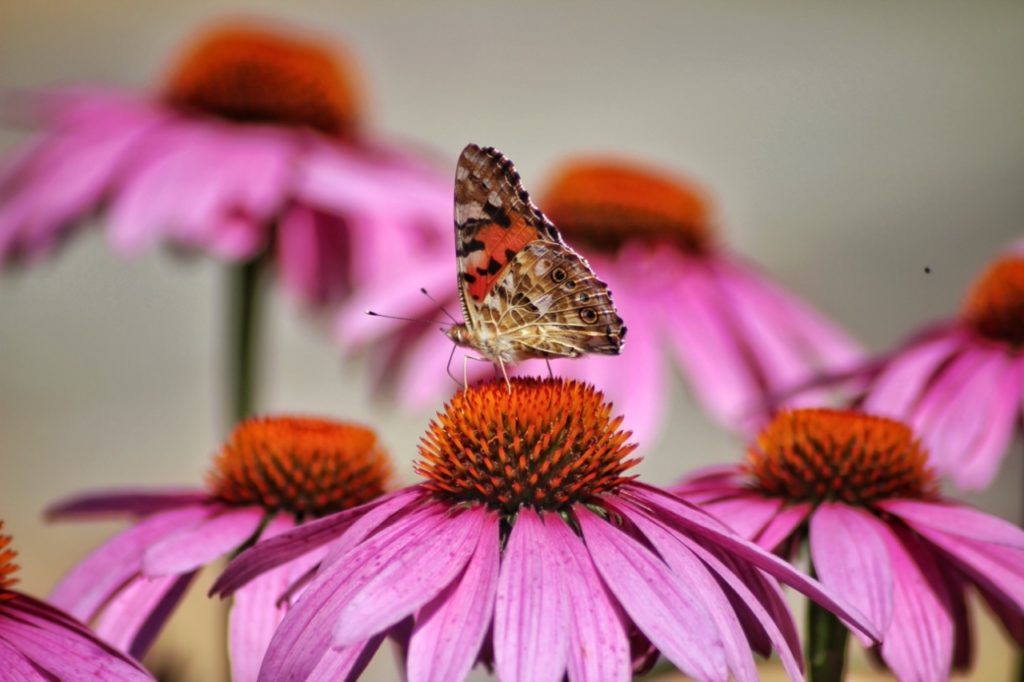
650	592
850	558
133	618
598	647
531	616
918	644
308	245
782	525
696	578
382	595
450	630
197	546
302	539
902	382
980	463
305	634
15	665
690	519
953	519
124	502
66	654
748	515
344	663
95	578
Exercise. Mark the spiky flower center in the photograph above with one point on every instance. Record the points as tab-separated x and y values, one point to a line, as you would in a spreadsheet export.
606	203
818	455
544	444
305	466
7	565
995	304
254	75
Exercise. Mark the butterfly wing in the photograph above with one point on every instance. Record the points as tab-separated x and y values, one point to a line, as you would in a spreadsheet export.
494	220
549	303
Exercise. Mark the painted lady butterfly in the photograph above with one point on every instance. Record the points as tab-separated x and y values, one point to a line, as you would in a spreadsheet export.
525	294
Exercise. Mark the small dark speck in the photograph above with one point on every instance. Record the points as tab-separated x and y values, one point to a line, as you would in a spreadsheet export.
927	270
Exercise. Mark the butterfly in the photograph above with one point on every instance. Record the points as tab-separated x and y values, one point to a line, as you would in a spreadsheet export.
524	292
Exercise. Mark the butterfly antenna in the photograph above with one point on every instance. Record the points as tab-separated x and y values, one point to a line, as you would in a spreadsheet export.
423	290
373	313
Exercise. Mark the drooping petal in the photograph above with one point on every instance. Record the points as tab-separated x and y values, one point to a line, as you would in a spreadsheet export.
139	502
380	596
14	663
747	514
133	618
956	519
96	577
305	634
850	559
782	526
919	642
450	630
598	646
980	463
674	620
294	543
904	380
195	547
531	616
343	663
692	520
694	575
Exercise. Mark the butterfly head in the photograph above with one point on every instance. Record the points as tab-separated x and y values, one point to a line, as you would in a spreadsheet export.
459	333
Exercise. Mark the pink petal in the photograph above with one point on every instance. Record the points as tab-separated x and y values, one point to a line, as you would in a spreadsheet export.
124	502
747	514
980	465
904	380
450	630
344	663
919	642
305	634
381	596
955	519
783	525
67	654
195	547
849	557
134	617
695	577
691	520
292	544
95	578
650	592
313	254
598	647
13	663
531	616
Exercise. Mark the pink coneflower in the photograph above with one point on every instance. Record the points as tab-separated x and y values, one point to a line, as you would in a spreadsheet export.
738	337
529	547
272	474
859	491
960	383
256	143
38	642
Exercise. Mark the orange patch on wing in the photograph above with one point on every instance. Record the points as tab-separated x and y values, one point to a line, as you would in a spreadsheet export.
498	243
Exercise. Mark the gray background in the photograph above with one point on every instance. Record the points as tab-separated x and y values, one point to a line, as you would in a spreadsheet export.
849	146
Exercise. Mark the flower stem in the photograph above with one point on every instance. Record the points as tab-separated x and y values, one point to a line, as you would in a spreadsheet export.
826	645
243	342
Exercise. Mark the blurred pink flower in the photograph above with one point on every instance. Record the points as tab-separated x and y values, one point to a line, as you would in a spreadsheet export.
254	145
528	547
38	642
960	383
858	489
273	474
739	338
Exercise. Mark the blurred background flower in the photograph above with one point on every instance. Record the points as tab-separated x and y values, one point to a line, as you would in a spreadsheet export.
255	148
850	147
272	474
739	338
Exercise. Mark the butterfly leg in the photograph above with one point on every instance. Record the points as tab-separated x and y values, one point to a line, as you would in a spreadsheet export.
551	375
504	373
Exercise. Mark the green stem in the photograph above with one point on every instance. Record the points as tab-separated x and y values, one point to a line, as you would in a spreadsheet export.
243	346
826	645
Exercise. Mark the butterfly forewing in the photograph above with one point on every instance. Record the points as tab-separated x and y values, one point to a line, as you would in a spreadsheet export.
525	294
